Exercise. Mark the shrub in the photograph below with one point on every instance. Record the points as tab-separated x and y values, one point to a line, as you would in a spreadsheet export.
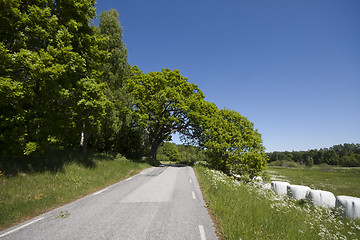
289	164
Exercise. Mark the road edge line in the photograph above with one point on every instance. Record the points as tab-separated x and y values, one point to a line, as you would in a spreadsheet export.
18	228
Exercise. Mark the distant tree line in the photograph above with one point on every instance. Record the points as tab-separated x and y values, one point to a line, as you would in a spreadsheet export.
187	154
67	85
347	155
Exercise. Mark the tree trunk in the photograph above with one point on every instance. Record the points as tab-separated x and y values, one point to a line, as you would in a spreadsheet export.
155	144
83	141
152	153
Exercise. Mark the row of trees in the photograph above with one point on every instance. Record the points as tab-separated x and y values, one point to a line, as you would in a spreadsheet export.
347	155
66	84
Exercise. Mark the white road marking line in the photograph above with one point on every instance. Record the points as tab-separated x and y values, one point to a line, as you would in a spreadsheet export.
16	229
105	189
128	179
190	181
193	195
202	232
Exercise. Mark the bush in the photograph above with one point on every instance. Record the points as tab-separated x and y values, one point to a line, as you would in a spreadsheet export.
325	167
276	163
289	164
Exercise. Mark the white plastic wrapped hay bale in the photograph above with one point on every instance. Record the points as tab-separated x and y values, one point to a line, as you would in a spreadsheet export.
321	198
348	206
266	186
297	191
280	188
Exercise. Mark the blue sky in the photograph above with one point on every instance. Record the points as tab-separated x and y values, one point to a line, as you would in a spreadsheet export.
290	67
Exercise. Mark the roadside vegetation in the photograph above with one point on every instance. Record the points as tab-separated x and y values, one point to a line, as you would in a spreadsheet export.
338	180
28	194
246	210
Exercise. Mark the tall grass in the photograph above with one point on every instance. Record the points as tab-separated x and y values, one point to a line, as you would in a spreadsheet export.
338	180
248	211
29	194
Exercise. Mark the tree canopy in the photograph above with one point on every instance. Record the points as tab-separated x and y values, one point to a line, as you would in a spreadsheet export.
66	84
162	102
50	88
229	139
115	69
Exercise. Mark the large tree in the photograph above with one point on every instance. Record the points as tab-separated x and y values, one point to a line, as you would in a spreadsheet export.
115	70
115	67
229	139
162	104
50	80
238	141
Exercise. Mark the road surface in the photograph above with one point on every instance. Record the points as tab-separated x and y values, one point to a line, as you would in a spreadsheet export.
158	203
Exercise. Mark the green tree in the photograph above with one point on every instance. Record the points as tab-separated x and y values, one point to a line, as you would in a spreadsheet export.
171	151
344	155
331	158
162	104
230	141
116	67
115	70
233	145
351	160
309	161
50	80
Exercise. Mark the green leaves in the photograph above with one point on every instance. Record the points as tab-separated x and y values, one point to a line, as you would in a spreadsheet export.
30	147
116	118
162	103
63	81
231	143
50	76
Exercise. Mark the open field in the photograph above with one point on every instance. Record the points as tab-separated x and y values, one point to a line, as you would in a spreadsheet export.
248	211
29	194
338	180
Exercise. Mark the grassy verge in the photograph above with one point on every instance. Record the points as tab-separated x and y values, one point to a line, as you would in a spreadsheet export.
29	194
248	211
338	180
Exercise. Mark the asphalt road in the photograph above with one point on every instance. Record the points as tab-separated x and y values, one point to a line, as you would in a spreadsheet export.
158	203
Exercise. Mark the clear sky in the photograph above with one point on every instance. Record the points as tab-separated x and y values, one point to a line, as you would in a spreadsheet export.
290	67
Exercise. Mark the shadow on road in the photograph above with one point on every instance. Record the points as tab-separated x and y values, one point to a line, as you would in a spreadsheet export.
172	165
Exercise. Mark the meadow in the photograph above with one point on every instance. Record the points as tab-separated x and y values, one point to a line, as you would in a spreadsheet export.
26	195
338	180
247	210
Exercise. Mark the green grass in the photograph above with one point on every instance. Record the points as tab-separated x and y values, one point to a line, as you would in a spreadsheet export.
338	180
29	194
247	211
